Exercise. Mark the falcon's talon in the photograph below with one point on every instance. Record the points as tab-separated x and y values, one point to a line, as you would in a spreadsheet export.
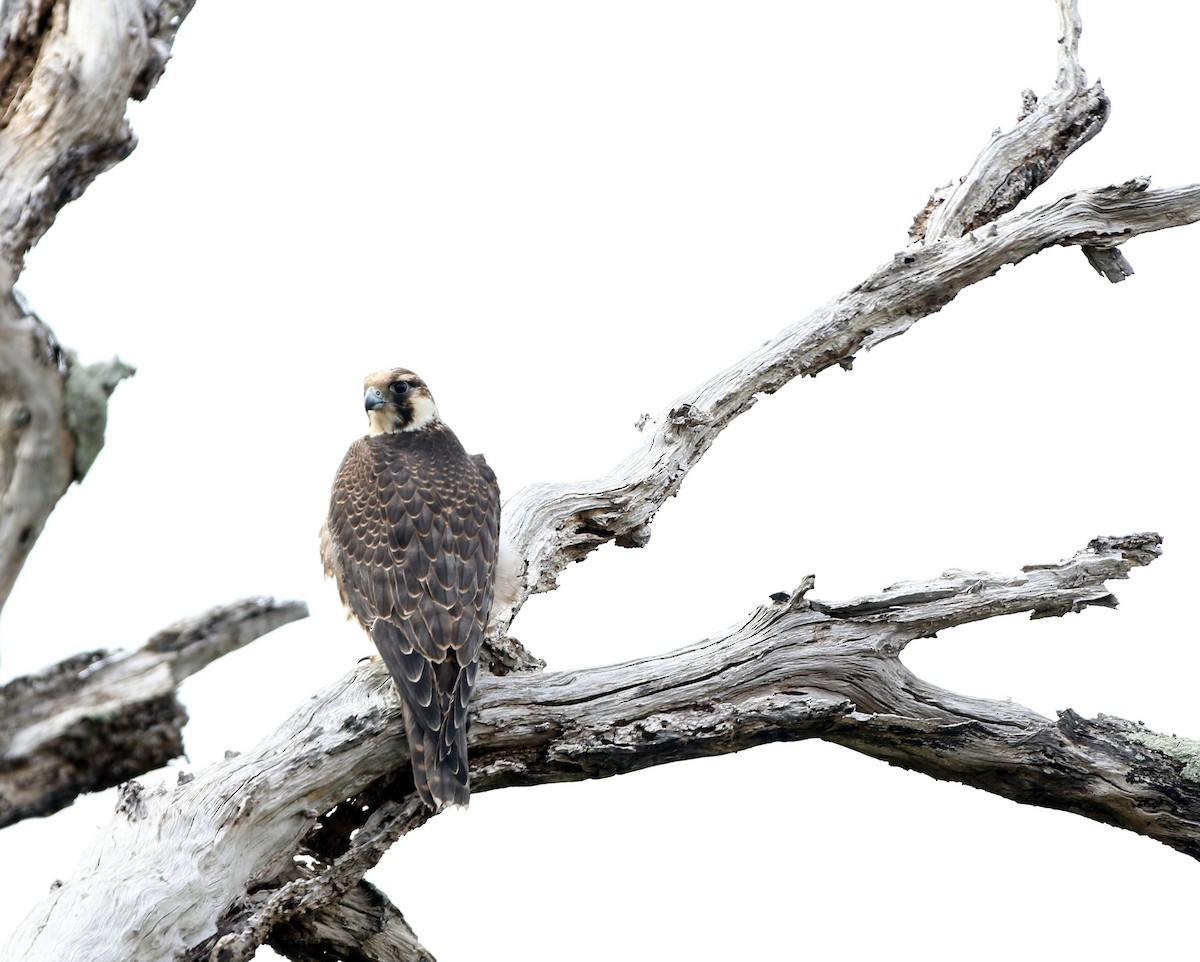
411	540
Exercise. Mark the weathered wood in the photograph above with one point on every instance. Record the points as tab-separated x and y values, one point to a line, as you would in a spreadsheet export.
306	903
100	718
53	413
965	235
361	926
271	846
1015	163
1108	262
551	525
206	868
36	449
67	71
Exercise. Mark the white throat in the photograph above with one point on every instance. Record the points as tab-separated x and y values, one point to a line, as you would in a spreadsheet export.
424	412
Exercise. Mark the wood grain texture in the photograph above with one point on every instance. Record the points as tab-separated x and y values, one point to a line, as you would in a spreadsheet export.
271	846
966	234
100	718
1016	162
361	926
36	449
548	526
67	72
210	867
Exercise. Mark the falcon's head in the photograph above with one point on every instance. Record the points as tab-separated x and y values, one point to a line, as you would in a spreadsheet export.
398	400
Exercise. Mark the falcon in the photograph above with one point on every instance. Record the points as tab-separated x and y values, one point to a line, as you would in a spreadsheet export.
411	540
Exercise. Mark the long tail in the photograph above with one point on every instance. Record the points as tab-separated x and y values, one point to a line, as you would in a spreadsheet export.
434	697
439	766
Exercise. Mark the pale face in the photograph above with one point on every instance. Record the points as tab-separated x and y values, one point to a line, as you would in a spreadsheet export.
398	400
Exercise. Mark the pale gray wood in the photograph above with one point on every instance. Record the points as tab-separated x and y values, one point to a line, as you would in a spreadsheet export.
36	450
548	526
1014	163
67	72
206	868
100	718
965	235
306	908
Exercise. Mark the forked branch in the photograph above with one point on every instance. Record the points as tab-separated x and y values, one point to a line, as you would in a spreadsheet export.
548	526
271	846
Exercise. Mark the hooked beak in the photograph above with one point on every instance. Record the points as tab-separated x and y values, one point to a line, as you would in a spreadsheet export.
374	399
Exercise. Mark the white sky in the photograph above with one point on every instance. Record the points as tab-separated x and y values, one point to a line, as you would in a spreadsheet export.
564	215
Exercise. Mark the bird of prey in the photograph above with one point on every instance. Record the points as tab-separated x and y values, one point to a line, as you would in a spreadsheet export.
411	540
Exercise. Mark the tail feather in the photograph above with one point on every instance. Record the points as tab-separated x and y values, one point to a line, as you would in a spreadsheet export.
439	762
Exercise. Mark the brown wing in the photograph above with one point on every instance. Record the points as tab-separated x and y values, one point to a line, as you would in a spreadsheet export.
412	538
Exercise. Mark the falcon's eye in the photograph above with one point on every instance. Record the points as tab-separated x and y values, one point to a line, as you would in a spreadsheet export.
400	387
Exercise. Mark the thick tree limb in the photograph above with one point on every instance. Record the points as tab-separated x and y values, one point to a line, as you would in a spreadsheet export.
551	525
67	71
53	412
36	450
100	718
215	857
272	846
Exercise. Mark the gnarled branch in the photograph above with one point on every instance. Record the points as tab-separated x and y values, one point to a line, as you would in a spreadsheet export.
219	853
67	72
100	718
551	525
1014	164
964	235
274	842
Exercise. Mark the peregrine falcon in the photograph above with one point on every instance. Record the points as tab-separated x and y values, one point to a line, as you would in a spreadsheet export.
411	540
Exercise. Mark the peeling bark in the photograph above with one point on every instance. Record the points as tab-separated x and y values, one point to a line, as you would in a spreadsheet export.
100	718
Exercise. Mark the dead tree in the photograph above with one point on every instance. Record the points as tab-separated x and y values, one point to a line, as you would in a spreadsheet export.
270	847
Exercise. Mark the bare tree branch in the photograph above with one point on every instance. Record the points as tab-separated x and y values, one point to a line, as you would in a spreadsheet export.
551	525
1016	163
271	846
346	842
100	718
215	858
67	72
548	526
